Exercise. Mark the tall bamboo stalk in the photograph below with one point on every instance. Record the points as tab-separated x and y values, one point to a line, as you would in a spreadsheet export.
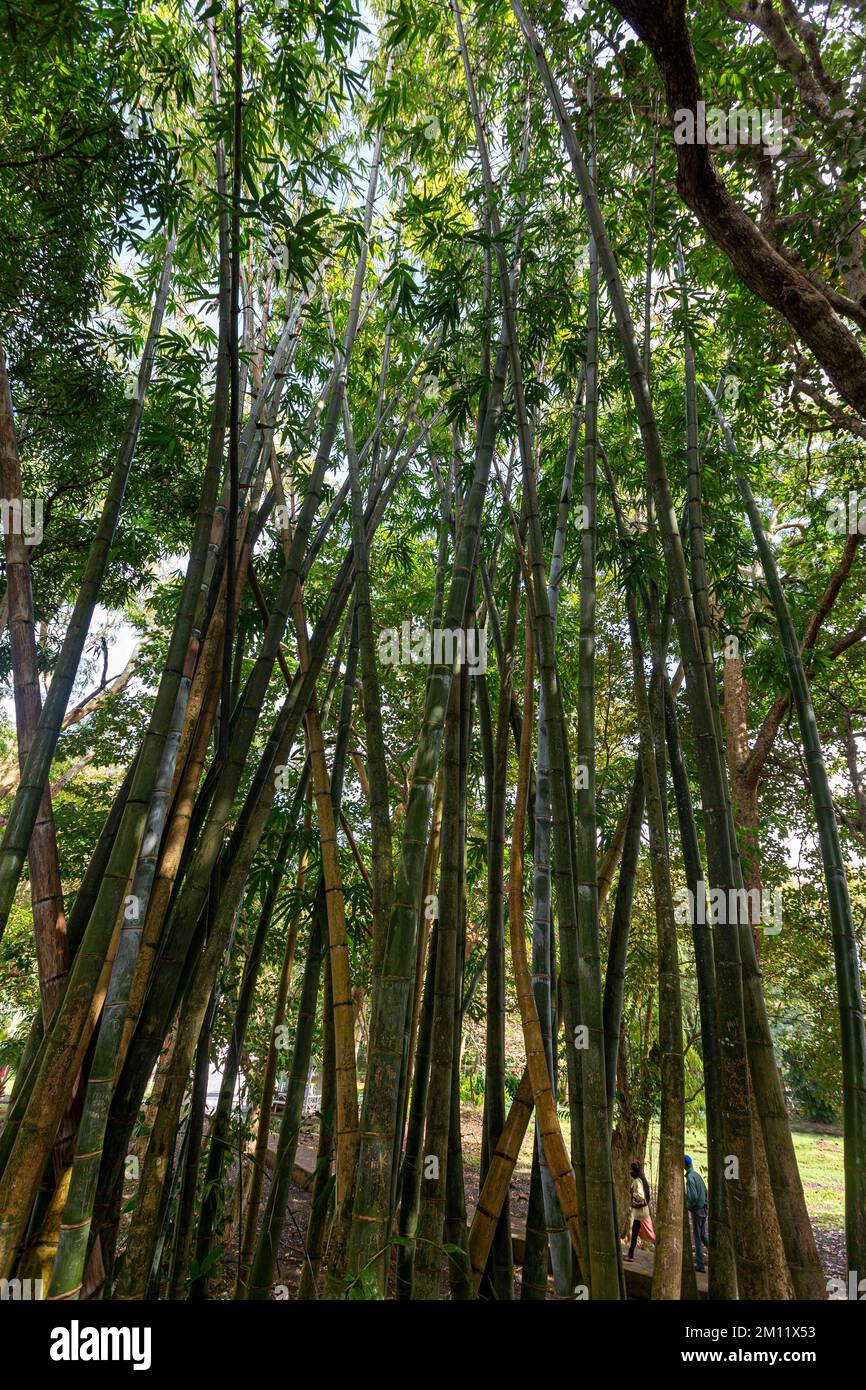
845	951
428	1253
536	1058
719	833
581	978
494	1052
543	945
220	1147
46	891
34	776
269	1078
386	1056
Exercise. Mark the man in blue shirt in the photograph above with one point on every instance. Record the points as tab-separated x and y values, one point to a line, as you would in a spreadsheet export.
696	1201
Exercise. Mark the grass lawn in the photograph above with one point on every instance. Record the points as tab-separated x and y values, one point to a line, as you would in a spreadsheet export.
819	1157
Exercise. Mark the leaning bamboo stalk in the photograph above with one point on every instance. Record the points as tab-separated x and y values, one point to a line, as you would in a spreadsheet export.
36	1134
258	1267
492	1196
252	819
158	1163
77	1214
263	1262
162	999
28	797
186	1168
46	892
259	1277
174	841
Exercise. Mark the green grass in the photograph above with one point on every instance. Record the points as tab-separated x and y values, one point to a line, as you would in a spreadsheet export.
819	1157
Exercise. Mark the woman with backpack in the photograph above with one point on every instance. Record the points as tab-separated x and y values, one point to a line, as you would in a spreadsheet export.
641	1220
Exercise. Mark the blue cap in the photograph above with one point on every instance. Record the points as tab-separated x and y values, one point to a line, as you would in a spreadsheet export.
687	1162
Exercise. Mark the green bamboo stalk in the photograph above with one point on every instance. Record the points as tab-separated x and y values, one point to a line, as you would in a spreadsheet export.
499	1273
410	1196
34	777
455	1230
385	1065
428	1253
269	1079
322	1191
220	1144
845	951
68	1273
260	1278
722	1279
188	1163
581	976
162	1001
743	1193
377	765
543	945
617	951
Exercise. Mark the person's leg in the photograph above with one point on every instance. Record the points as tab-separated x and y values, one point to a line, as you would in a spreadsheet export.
703	1228
635	1227
699	1249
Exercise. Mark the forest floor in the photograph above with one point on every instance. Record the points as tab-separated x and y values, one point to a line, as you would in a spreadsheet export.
819	1152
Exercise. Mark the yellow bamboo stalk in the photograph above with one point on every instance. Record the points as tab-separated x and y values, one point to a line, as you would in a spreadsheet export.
492	1195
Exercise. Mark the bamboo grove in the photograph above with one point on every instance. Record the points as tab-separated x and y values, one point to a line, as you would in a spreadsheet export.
472	461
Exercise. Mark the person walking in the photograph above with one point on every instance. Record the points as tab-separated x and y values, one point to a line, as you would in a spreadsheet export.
639	1198
696	1201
